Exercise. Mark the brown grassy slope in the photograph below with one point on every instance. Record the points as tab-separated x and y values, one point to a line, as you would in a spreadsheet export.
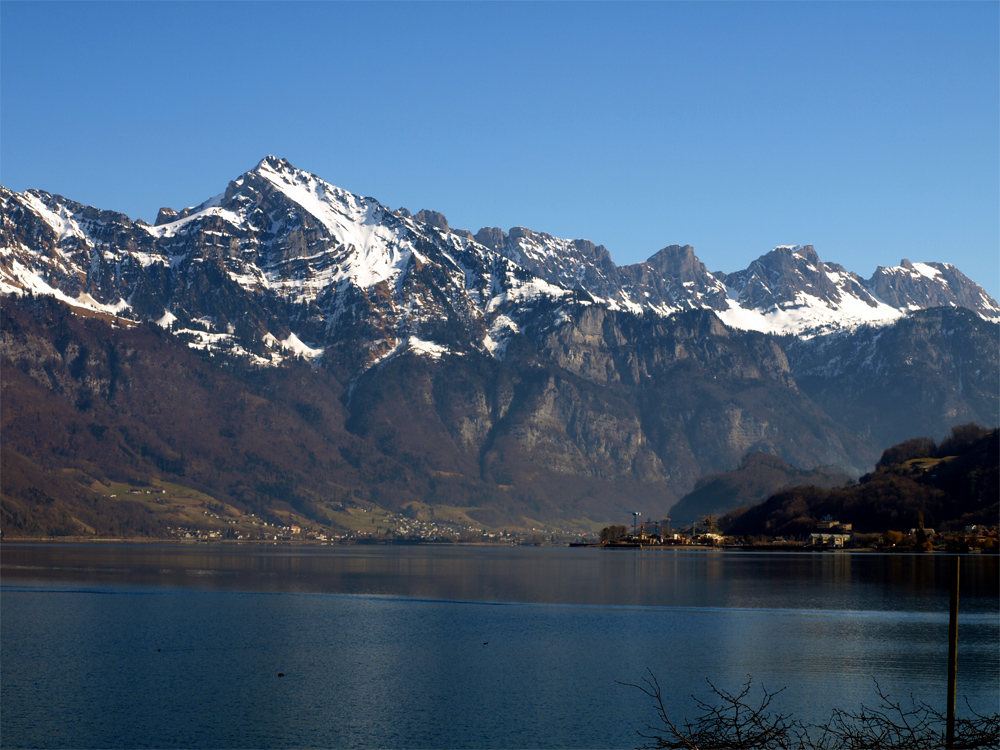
133	404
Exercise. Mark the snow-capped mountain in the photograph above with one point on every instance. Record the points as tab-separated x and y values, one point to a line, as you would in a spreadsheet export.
524	370
671	280
790	290
284	261
786	291
917	286
279	250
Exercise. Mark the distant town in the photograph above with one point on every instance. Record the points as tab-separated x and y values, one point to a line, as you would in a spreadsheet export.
387	528
828	534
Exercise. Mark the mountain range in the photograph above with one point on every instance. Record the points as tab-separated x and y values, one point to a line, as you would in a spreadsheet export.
520	376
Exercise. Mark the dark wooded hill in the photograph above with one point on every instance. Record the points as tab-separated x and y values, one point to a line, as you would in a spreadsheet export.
758	476
954	484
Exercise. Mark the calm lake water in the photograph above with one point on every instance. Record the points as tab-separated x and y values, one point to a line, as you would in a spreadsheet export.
182	646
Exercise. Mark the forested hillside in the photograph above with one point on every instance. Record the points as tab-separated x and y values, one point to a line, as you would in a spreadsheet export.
758	476
945	487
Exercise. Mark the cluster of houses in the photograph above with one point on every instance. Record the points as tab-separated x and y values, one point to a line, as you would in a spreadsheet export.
827	534
397	529
134	491
831	534
237	529
974	538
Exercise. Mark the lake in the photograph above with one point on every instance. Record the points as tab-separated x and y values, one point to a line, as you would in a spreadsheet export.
179	646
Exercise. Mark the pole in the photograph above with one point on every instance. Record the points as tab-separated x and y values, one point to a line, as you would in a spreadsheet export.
949	741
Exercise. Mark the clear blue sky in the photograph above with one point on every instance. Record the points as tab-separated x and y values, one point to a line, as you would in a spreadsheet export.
871	130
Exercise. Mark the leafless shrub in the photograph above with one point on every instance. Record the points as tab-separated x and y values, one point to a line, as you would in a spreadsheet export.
734	720
891	724
746	720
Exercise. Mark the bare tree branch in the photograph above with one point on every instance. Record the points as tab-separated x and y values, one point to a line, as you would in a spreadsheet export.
738	721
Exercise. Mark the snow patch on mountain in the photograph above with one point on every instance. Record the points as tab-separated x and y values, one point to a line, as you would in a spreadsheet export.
166	320
526	291
211	207
295	346
60	219
22	280
808	316
501	331
427	348
929	271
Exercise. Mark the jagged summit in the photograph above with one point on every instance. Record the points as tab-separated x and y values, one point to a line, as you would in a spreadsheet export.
274	164
913	286
269	165
279	236
793	276
434	218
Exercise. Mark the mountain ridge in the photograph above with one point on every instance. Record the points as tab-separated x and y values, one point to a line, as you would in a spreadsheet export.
361	243
527	374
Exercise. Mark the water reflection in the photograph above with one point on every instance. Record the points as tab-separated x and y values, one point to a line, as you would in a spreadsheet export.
456	647
850	582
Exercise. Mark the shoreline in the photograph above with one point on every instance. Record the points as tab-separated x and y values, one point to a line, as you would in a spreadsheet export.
146	541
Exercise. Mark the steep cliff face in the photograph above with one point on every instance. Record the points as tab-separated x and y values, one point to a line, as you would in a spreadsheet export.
921	376
674	279
51	245
608	346
569	263
604	396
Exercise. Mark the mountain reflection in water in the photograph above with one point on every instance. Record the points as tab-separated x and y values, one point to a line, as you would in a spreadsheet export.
806	581
181	646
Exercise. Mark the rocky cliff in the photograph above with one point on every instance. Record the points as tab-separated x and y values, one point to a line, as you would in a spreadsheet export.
520	374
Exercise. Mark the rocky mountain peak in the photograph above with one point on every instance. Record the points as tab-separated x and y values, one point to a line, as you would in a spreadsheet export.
673	278
434	218
492	237
165	216
274	164
678	260
785	276
912	286
523	233
799	258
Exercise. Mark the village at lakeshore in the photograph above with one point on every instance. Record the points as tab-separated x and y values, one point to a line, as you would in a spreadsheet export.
827	535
